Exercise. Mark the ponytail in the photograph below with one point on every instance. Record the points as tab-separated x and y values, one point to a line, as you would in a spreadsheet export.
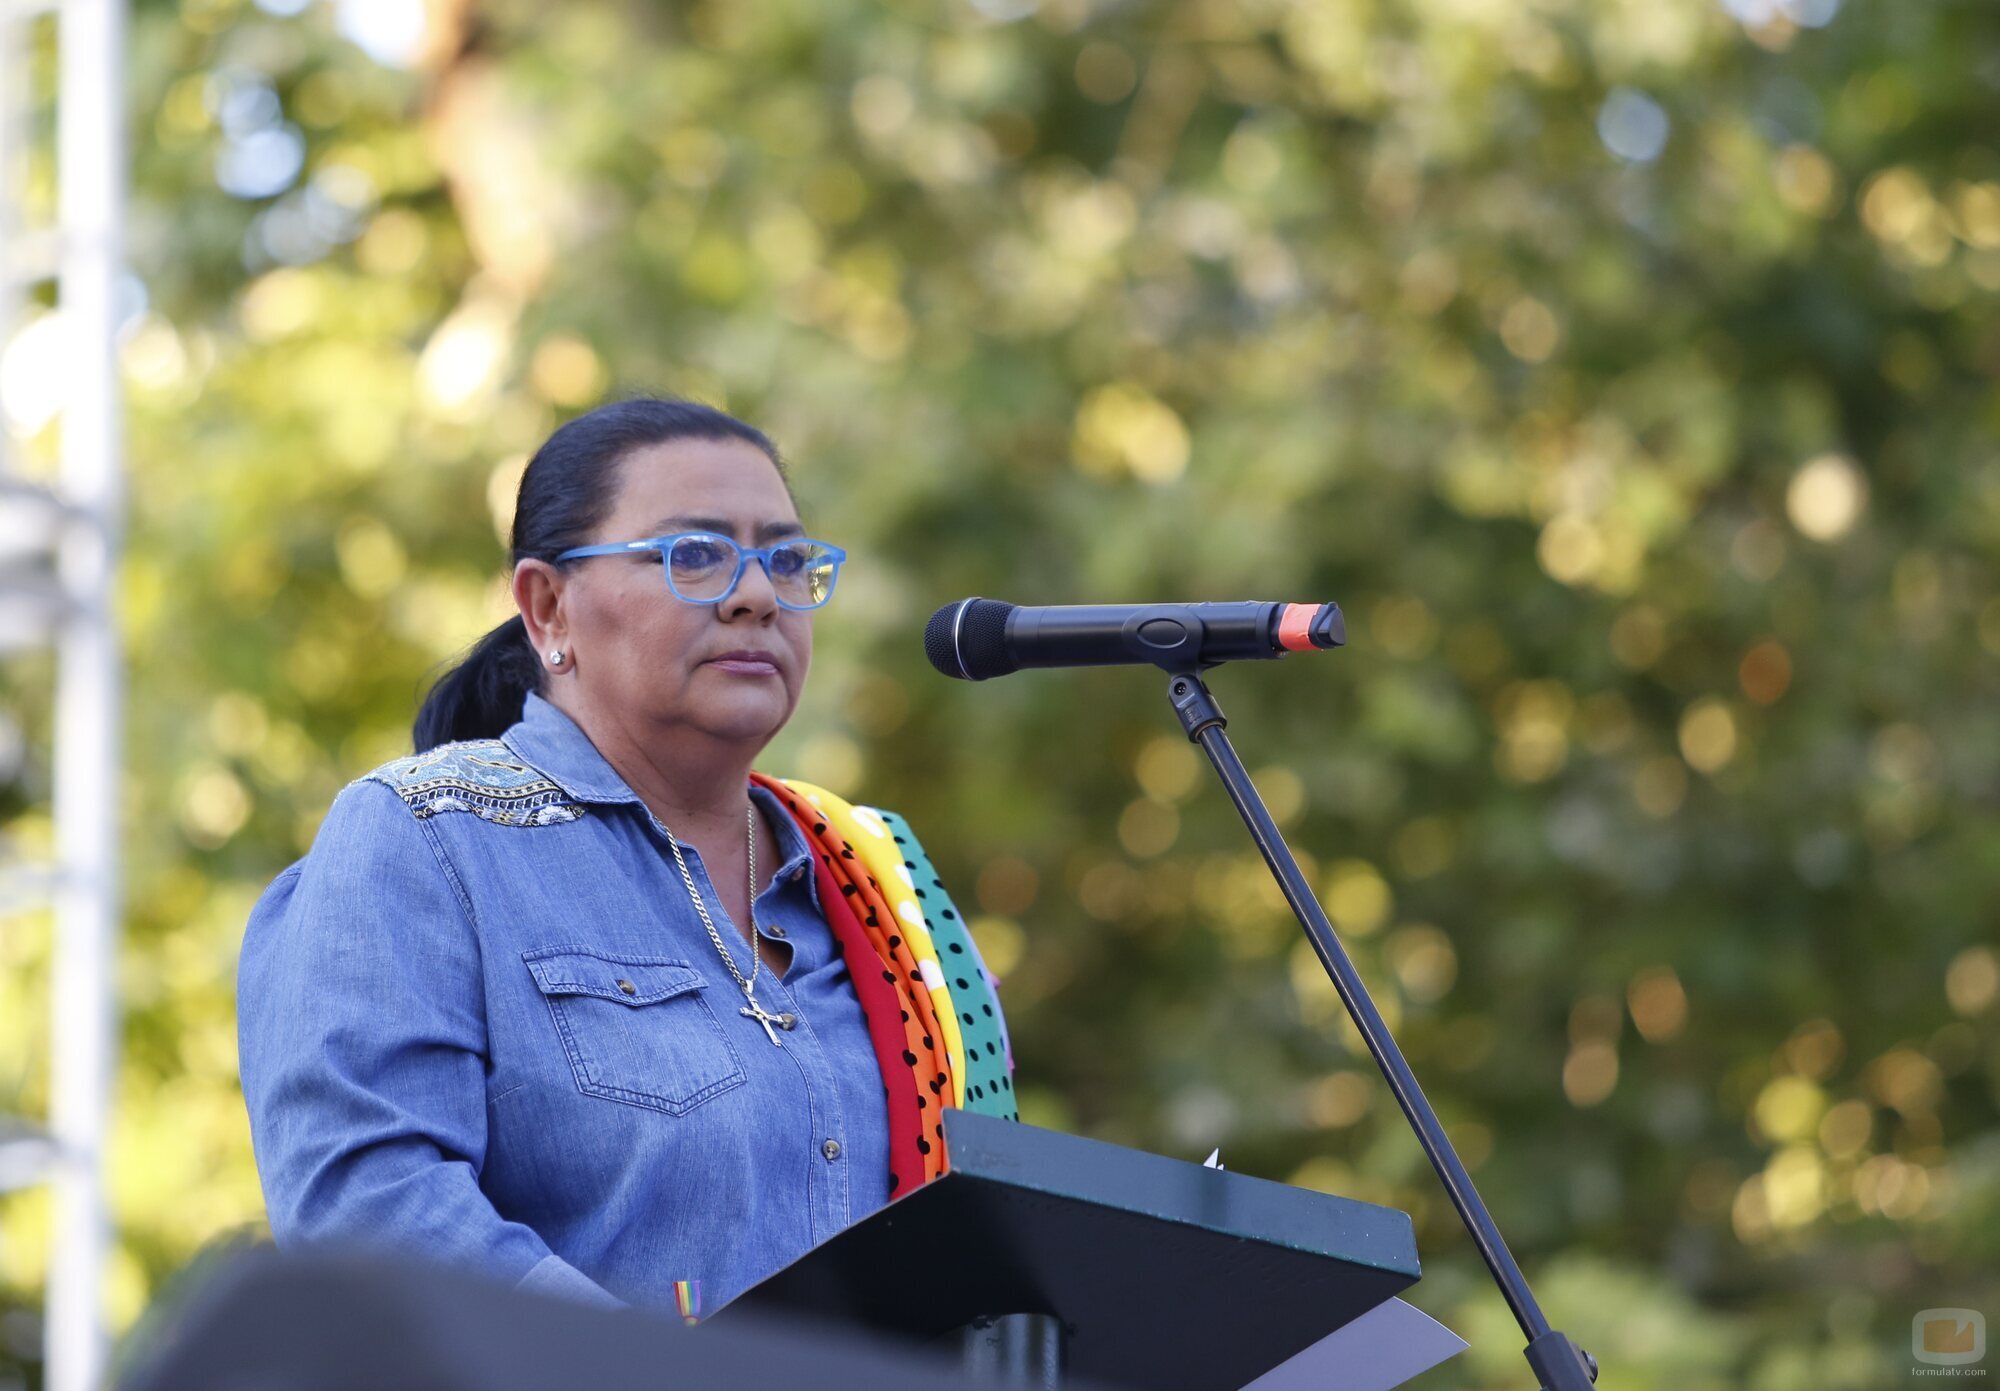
481	696
567	491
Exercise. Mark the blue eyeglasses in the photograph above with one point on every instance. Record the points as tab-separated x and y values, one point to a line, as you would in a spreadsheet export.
703	568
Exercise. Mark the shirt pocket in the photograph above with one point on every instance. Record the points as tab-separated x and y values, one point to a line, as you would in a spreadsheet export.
637	1029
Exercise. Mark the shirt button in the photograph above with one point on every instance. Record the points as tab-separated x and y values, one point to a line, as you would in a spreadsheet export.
628	987
798	873
787	1020
776	929
831	1149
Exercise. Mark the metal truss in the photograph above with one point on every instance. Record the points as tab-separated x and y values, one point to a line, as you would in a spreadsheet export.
59	543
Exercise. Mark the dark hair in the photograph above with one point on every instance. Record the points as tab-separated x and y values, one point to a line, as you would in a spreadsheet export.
565	493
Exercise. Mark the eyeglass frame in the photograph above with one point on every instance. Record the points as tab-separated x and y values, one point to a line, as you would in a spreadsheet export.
744	554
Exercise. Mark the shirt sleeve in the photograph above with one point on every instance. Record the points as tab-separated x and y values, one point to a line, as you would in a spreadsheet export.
362	1042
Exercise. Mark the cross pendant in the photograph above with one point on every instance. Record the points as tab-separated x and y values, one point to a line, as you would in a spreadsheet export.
757	1012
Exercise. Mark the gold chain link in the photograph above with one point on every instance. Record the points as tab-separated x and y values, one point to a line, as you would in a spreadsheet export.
756	961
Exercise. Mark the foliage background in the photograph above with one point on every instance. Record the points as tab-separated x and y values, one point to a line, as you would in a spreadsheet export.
1626	368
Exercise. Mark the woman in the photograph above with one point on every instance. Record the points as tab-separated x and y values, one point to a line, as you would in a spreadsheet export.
507	1013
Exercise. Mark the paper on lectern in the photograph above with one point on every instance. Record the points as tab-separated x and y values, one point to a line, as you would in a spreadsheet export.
1383	1348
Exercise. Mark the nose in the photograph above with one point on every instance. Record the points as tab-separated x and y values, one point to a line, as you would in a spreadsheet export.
754	589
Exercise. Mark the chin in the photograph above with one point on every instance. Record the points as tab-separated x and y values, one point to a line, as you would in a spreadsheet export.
750	714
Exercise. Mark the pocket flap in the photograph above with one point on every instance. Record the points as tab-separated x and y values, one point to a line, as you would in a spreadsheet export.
628	980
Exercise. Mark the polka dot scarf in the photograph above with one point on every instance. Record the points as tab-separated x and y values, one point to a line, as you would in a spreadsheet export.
932	1008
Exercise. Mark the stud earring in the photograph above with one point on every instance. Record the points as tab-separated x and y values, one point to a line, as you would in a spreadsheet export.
555	656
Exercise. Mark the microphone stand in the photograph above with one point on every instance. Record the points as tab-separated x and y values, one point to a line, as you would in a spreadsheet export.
1558	1363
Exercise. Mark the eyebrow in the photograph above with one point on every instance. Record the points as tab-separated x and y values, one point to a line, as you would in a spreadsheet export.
765	531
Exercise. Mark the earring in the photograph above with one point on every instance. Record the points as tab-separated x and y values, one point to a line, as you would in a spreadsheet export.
555	656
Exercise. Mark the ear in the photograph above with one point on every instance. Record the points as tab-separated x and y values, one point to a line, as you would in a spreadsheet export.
538	593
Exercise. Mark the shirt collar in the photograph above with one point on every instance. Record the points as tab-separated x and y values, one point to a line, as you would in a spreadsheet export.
552	743
556	746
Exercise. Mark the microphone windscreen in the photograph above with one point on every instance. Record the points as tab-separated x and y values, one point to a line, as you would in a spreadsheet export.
968	639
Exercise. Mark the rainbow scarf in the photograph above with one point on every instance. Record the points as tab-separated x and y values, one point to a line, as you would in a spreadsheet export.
932	1008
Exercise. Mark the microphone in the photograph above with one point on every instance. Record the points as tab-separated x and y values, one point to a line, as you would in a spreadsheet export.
974	639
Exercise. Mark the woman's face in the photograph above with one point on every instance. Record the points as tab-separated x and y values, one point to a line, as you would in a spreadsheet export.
639	655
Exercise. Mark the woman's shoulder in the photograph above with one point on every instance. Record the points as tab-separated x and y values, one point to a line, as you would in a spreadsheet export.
483	777
388	814
381	827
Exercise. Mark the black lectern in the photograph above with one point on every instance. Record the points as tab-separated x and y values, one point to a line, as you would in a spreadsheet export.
1050	1256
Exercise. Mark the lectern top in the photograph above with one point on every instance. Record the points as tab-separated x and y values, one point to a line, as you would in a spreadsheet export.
1167	1273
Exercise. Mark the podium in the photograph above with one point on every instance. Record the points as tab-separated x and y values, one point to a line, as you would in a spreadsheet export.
1048	1257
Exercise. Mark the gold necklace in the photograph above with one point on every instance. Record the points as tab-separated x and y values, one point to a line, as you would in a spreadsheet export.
753	1010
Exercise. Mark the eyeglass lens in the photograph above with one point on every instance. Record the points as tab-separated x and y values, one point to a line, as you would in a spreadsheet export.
700	568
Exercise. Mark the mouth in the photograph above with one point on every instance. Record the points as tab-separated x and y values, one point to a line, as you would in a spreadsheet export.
745	663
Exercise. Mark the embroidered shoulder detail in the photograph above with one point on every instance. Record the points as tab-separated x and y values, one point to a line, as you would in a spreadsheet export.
481	776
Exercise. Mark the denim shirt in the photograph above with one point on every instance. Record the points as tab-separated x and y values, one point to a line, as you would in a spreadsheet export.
481	1022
